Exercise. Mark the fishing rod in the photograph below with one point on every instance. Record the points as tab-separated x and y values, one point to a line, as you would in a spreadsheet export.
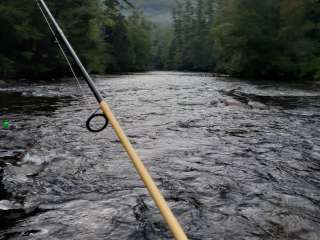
149	183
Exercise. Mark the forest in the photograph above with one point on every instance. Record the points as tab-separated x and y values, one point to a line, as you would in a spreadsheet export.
278	39
105	39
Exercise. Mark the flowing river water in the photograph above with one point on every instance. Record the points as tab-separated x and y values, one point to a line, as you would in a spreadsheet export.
235	159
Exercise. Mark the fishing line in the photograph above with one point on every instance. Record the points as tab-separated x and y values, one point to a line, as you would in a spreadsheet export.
61	49
94	115
143	172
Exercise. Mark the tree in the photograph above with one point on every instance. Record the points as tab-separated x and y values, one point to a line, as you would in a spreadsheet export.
97	30
140	42
129	40
192	46
272	38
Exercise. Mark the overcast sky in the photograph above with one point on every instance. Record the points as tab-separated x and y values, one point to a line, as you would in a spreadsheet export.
156	10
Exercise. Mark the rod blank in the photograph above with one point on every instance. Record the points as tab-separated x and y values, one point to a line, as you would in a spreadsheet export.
154	191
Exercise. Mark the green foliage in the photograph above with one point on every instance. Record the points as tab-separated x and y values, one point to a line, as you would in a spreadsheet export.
99	32
245	36
140	42
248	38
271	38
27	47
129	38
161	47
18	36
82	23
190	46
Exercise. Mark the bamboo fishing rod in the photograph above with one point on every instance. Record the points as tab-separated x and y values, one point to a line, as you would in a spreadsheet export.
154	191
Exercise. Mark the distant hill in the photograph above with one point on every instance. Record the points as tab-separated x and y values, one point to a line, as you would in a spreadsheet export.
155	10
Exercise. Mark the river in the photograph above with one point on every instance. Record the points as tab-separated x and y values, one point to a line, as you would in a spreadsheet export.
235	159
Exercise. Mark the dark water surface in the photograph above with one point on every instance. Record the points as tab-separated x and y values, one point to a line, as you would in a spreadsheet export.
235	159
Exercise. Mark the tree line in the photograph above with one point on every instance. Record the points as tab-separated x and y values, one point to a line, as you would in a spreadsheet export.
105	38
247	38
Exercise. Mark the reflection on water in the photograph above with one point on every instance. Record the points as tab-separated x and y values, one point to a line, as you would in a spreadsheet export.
234	159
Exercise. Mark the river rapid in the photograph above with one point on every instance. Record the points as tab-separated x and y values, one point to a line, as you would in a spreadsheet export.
235	159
